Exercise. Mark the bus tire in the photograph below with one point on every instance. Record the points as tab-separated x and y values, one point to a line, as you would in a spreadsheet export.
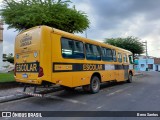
95	84
129	78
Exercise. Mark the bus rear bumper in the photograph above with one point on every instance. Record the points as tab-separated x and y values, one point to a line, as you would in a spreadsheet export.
29	81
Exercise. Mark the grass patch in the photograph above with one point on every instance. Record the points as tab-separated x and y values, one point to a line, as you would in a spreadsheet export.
7	77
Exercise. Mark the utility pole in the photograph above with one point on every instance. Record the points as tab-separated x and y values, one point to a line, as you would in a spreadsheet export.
146	55
86	33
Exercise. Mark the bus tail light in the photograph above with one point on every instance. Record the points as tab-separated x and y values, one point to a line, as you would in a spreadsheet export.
40	74
14	71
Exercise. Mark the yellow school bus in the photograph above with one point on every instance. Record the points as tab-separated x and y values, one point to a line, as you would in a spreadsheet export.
45	55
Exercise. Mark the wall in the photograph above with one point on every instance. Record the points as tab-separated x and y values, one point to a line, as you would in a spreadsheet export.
144	66
158	67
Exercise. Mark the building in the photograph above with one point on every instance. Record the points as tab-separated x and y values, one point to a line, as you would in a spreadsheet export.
5	66
157	64
1	43
149	65
143	64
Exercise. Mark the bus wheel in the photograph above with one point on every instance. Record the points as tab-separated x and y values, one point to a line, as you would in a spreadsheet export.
129	78
95	84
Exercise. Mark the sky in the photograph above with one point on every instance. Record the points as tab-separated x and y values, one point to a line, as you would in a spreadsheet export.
114	18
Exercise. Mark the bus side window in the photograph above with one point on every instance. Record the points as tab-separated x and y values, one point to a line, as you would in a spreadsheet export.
114	55
72	49
119	57
92	52
67	47
78	50
125	58
107	54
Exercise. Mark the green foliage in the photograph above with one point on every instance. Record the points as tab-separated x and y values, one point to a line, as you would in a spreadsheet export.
7	77
130	43
24	14
10	58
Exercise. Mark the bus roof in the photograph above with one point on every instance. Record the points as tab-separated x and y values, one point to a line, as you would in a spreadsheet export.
87	40
73	36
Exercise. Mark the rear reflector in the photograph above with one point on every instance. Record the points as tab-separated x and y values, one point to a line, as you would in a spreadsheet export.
40	74
31	94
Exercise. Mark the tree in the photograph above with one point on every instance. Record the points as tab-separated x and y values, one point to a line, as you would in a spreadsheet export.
130	43
24	14
10	58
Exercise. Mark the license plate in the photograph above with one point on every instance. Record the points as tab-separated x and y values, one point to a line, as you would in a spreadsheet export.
25	76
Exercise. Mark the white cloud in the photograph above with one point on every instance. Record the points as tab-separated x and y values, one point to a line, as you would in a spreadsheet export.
115	18
132	18
8	39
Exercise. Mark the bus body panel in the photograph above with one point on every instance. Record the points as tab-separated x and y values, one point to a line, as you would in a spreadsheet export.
27	55
45	59
32	48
